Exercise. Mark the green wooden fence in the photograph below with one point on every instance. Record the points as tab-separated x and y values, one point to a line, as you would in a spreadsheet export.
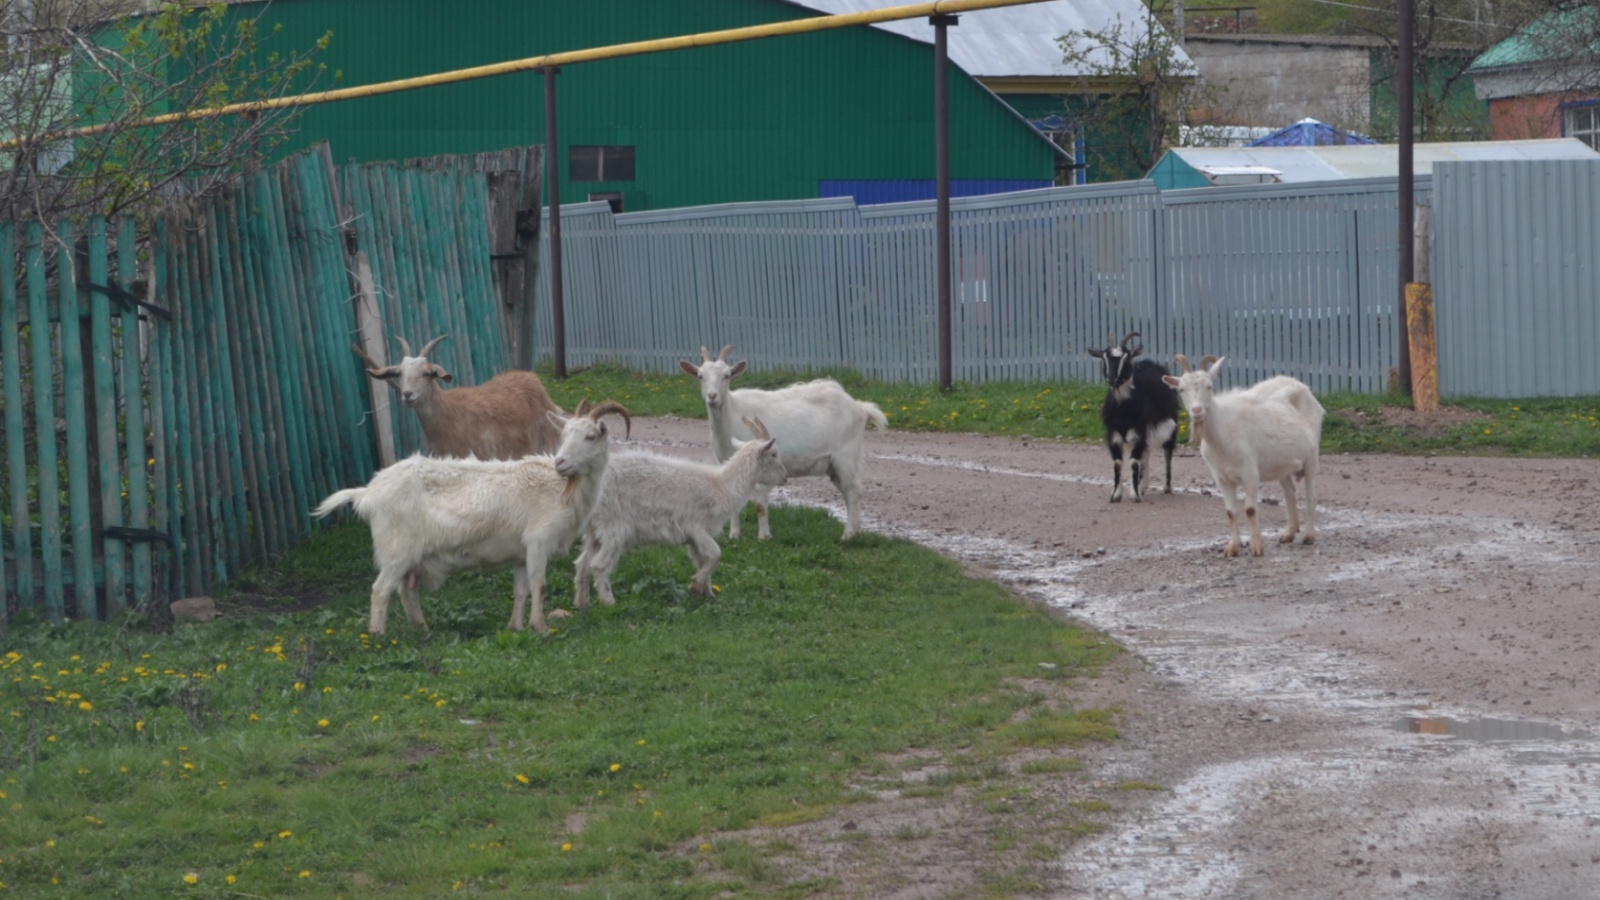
170	418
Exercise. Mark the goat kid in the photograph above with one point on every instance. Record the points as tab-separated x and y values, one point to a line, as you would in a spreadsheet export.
653	499
819	428
431	518
1270	431
1139	412
502	418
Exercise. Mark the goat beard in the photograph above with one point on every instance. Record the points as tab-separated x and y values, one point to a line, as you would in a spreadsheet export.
571	489
1197	432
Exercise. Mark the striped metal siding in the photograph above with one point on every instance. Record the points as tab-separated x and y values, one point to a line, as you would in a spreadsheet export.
1291	279
752	121
1516	308
1286	279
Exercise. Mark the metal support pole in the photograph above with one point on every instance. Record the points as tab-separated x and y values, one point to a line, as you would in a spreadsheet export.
552	159
1404	98
941	165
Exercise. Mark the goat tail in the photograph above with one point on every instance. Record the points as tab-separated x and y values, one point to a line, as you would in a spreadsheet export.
875	416
338	499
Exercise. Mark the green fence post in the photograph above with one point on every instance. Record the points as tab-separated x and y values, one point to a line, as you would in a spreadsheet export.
133	412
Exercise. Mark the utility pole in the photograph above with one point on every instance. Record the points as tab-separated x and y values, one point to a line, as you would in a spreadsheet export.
1407	188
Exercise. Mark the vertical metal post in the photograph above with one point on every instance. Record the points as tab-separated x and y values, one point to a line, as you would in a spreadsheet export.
941	165
552	160
1407	188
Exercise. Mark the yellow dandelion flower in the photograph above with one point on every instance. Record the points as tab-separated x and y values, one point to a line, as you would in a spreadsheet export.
86	706
522	779
231	879
191	878
285	834
305	873
640	742
299	686
322	723
705	848
374	717
616	767
567	847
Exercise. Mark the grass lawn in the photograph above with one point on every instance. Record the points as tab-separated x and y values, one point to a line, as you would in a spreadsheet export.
285	754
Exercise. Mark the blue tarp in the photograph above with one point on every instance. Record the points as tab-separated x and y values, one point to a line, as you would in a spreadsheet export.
1309	133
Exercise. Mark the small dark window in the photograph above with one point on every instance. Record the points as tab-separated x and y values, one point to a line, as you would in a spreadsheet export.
612	197
590	163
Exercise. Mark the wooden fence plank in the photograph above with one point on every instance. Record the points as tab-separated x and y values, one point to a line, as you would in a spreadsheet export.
233	491
40	335
12	385
133	395
113	551
74	393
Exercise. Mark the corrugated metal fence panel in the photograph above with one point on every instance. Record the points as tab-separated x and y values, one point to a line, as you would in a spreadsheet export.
1286	279
1516	311
1297	279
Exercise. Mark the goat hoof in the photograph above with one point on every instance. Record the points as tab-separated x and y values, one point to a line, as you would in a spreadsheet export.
559	614
1308	539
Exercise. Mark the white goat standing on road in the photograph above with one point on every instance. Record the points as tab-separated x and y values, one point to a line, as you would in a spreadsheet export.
652	499
433	517
819	428
1271	431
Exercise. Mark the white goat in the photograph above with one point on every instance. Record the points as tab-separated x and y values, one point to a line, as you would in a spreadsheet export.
432	517
502	418
819	428
652	499
1270	431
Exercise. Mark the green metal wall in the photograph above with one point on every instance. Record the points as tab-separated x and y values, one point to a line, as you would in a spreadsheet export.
757	120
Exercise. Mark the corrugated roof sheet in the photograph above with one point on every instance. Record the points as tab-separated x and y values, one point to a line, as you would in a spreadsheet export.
1550	38
1373	160
1012	41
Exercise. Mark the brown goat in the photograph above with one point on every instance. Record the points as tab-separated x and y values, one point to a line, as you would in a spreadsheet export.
503	418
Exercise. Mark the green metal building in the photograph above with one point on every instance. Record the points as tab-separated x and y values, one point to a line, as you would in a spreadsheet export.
776	118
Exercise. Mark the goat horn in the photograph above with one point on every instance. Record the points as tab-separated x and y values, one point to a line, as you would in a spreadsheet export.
428	347
1182	361
723	356
1208	360
1130	336
405	348
612	406
757	428
364	357
705	355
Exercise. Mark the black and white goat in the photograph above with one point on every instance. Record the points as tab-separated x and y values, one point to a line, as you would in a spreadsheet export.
1140	411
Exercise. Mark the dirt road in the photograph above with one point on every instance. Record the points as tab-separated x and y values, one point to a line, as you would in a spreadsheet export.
1409	707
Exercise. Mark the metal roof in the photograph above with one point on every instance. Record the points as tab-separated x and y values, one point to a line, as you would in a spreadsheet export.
1014	41
1558	36
1334	163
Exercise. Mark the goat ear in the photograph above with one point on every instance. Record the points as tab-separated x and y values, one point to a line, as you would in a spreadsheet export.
583	408
1169	381
738	367
1096	352
556	419
689	367
442	375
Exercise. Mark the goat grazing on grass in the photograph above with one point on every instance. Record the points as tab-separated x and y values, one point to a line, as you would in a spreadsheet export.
433	517
652	499
819	428
1270	431
1139	412
503	418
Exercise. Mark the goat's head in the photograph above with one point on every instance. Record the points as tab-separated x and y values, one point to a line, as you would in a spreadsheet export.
414	376
584	438
716	375
770	472
1194	386
1116	358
